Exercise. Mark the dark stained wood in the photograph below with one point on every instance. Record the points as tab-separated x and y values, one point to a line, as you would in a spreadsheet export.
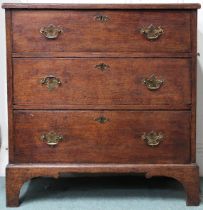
105	107
88	146
88	141
194	84
186	174
9	82
120	84
101	6
82	33
99	55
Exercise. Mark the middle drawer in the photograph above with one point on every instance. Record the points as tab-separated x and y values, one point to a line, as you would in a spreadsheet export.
102	81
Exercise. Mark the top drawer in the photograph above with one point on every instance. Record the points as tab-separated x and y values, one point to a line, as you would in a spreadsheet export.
101	31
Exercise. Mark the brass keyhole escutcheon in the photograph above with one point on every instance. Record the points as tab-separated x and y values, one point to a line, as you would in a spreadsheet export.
102	67
101	18
102	120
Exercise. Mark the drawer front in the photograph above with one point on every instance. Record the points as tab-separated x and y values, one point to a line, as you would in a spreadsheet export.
101	31
102	81
102	136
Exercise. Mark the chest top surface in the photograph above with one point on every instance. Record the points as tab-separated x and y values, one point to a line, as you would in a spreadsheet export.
100	6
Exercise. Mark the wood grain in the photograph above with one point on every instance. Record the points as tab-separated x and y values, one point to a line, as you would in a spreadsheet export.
9	83
88	141
194	85
82	33
100	6
126	107
186	174
87	93
120	84
99	55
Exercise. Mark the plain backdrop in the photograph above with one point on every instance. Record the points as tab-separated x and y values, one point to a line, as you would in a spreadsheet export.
3	86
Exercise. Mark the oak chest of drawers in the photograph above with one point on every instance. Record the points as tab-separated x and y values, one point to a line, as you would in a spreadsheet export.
101	89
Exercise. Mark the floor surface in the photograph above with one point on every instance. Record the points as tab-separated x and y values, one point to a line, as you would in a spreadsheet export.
100	193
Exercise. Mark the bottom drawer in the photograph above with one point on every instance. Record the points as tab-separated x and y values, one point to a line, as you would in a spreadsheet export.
102	136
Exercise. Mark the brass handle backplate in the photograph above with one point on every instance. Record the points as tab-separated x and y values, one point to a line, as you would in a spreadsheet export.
152	83
102	66
51	31
102	120
51	82
152	32
152	138
51	138
101	18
